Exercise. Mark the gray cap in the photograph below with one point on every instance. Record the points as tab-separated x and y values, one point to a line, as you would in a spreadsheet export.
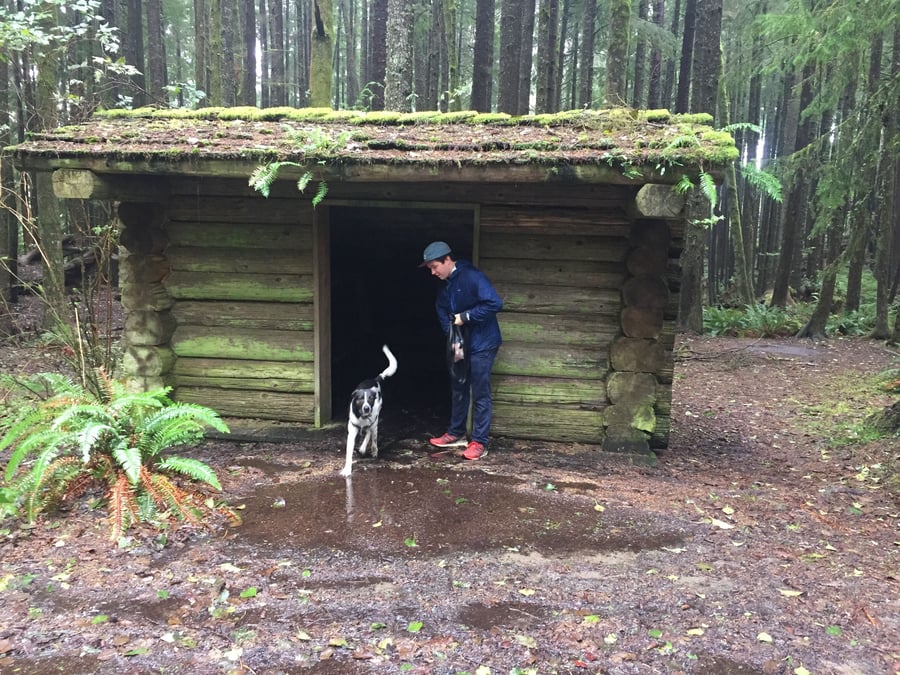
434	250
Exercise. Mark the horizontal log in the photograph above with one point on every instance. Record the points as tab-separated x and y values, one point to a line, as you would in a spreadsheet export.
536	299
272	315
252	208
239	260
536	361
636	355
630	413
85	184
555	329
582	394
646	291
249	383
647	260
298	371
659	201
547	423
571	273
147	361
145	296
265	405
642	322
556	221
636	387
255	287
149	327
553	247
239	343
288	236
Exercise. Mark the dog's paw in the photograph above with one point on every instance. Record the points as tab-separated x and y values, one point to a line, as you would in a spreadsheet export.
346	471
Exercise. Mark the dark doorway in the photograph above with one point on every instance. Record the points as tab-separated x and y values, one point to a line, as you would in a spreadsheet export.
380	296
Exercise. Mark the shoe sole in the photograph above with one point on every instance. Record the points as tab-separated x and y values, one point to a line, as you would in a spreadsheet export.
475	459
460	443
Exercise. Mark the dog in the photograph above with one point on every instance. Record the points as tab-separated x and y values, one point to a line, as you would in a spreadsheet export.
365	409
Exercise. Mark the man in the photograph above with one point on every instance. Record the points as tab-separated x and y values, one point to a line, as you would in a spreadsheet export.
467	299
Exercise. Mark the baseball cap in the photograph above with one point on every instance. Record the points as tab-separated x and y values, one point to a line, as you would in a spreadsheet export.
434	250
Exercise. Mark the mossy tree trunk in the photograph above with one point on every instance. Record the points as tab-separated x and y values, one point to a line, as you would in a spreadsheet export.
321	55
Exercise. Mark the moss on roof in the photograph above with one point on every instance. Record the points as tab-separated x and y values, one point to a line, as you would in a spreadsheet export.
620	138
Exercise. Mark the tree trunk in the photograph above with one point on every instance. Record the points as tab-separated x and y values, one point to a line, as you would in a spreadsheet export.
682	101
277	80
690	307
351	38
617	52
547	64
655	75
510	56
561	60
248	38
264	69
450	60
398	88
638	100
527	57
231	76
214	58
667	98
483	57
378	54
586	72
133	50
7	209
157	78
707	57
321	54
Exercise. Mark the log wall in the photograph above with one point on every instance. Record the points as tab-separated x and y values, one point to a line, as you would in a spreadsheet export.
218	290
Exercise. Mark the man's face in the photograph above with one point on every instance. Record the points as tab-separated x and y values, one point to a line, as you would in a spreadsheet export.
441	268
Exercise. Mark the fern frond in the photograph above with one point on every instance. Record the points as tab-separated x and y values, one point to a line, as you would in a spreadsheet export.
129	459
320	194
263	176
193	468
166	493
708	187
123	508
88	436
303	181
40	442
763	181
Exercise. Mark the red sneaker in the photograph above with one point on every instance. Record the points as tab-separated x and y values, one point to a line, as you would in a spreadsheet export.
475	450
446	441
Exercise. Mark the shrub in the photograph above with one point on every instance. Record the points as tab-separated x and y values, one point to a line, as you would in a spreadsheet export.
66	439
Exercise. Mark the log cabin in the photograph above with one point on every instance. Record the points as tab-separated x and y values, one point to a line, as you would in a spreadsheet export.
266	255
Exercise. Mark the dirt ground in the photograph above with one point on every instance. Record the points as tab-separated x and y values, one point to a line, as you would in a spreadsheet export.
763	540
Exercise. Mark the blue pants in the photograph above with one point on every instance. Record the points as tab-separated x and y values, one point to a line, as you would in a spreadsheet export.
479	388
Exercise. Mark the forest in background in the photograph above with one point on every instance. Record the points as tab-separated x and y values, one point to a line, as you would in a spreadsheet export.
810	89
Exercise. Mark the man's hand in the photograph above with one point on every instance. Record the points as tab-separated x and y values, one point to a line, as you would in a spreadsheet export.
457	320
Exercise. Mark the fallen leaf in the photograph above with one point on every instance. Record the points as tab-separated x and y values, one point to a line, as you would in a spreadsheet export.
790	593
527	591
721	524
695	631
764	637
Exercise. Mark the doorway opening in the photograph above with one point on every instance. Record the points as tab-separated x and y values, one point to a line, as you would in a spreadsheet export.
380	296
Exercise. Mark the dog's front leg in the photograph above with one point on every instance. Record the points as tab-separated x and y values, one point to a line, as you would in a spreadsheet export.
375	439
365	441
351	442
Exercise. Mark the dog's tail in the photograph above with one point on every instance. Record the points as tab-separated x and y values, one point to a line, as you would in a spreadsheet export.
392	364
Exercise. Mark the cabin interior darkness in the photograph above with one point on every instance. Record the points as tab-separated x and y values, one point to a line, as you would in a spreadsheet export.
380	296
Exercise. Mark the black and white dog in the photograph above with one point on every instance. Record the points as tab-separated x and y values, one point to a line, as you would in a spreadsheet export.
365	408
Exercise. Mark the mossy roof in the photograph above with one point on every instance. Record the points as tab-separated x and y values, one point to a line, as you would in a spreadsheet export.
647	144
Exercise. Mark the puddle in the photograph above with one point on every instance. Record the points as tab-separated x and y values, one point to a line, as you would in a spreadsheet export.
436	510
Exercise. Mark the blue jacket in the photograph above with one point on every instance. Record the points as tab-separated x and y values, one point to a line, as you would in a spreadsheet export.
469	292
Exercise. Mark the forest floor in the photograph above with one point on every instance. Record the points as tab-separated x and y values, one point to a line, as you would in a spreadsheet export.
765	539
